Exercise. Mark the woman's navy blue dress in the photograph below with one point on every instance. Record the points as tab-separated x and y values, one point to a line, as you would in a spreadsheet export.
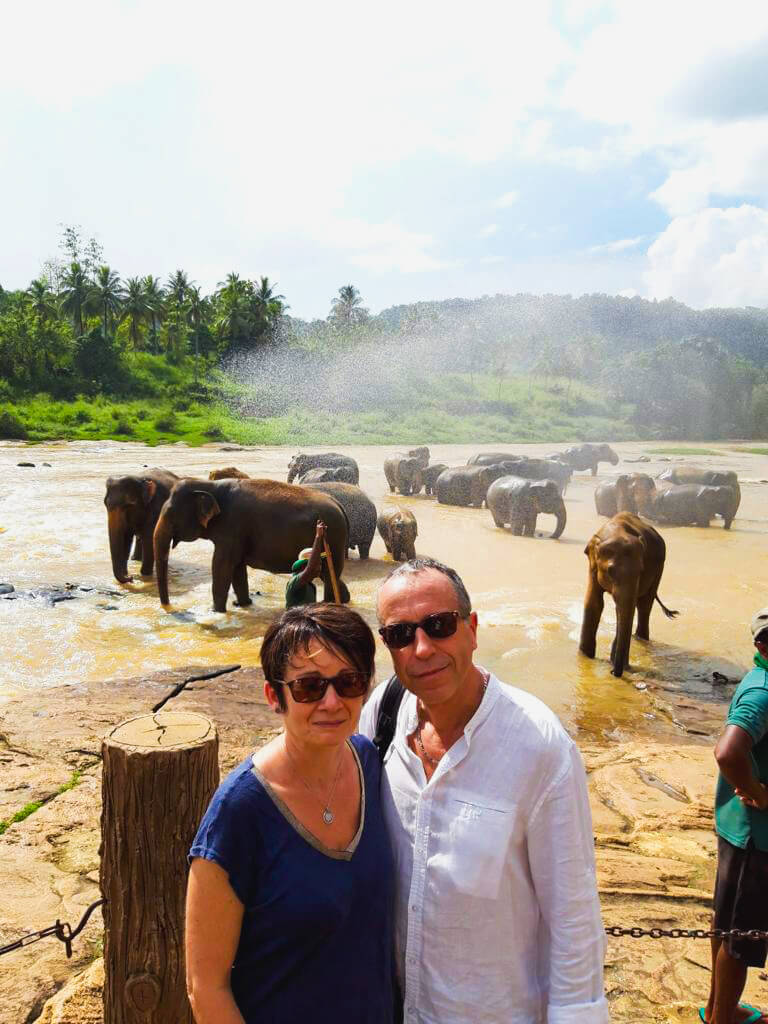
316	938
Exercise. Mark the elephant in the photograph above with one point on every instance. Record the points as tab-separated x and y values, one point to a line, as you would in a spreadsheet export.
468	485
398	530
626	560
230	473
586	456
133	507
629	492
261	523
360	510
691	504
544	469
711	477
404	474
299	464
421	454
516	501
430	475
340	474
489	458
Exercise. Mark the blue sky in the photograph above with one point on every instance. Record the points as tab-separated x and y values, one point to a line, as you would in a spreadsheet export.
565	146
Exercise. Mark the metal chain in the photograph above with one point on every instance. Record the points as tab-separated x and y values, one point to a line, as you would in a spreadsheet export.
63	932
687	933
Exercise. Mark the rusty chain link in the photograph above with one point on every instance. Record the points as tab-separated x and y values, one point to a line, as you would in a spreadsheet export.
687	933
63	932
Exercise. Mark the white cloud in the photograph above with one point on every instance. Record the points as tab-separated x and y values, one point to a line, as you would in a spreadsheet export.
712	257
508	199
382	247
618	246
491	260
488	230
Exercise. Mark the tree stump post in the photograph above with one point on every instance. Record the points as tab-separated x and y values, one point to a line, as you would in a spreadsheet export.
160	772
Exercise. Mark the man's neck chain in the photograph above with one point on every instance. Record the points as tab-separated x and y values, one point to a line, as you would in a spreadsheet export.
417	735
328	815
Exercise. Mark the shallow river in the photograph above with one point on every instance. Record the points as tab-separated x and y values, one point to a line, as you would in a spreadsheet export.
528	592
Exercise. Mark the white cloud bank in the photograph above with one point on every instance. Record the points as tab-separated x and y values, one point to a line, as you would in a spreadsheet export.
712	257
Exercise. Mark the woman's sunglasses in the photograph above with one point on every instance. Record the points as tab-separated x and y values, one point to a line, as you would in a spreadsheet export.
310	689
437	626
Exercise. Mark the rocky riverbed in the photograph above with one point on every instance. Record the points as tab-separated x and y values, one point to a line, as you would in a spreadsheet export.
651	803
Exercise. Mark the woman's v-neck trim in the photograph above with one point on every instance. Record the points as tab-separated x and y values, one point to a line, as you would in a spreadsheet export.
303	831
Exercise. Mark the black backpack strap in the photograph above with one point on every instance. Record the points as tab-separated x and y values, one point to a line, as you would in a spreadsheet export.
386	720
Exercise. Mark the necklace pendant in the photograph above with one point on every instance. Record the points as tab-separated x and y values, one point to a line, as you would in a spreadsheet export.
328	816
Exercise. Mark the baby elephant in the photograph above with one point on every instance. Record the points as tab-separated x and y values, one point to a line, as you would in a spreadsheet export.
518	502
229	473
430	475
398	531
339	474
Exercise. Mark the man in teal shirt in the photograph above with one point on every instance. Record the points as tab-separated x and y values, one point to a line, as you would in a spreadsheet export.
300	588
741	822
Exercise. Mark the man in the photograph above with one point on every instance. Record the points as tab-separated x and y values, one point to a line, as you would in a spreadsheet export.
300	588
741	823
497	912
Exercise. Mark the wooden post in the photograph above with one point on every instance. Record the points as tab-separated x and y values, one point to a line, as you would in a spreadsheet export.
160	772
332	572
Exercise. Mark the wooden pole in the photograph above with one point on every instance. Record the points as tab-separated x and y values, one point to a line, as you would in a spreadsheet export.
160	772
332	572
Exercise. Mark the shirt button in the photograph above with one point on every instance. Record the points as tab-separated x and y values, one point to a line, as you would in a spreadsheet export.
414	908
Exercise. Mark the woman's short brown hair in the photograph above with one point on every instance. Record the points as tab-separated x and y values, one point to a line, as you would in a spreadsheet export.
333	625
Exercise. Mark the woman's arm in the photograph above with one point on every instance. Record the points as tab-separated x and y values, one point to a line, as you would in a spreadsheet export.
214	918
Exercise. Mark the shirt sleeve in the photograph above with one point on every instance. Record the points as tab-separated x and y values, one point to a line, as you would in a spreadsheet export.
751	713
562	859
229	836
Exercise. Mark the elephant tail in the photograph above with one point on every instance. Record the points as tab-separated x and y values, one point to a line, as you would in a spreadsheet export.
669	612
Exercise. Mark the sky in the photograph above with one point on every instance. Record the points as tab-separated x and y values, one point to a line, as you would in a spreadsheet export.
416	150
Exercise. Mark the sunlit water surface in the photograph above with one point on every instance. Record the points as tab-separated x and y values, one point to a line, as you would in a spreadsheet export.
528	592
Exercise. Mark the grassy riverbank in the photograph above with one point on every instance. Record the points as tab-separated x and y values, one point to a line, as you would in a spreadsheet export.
456	408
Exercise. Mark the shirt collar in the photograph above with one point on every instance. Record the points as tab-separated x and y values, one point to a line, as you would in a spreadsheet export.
760	661
493	689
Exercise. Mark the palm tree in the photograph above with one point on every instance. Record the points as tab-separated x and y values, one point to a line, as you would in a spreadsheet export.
154	297
198	308
74	295
178	286
234	317
347	308
107	293
41	300
136	309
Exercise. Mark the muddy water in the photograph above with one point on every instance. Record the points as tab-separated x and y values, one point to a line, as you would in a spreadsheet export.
528	592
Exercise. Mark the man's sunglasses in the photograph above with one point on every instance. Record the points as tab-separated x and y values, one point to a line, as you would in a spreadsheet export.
437	626
310	689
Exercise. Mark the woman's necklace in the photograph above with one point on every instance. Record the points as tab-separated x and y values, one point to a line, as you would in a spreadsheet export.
417	735
328	815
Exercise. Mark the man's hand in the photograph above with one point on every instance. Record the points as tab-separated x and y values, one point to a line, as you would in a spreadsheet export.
320	531
759	802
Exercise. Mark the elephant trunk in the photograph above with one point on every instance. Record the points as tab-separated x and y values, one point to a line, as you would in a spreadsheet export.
561	519
120	537
625	614
162	543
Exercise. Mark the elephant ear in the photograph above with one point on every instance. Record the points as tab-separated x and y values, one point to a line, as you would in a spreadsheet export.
148	489
207	507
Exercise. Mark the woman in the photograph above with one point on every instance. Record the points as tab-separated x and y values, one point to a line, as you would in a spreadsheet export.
289	900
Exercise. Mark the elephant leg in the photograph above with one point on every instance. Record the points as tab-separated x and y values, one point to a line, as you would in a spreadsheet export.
593	610
529	529
644	607
148	551
222	571
593	469
240	585
517	523
497	519
363	550
137	555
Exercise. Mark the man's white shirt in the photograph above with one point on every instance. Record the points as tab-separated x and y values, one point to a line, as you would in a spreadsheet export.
497	917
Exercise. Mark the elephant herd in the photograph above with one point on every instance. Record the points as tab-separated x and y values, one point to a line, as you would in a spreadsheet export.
263	523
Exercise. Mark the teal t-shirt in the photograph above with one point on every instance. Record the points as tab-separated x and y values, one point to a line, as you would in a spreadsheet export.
296	594
749	710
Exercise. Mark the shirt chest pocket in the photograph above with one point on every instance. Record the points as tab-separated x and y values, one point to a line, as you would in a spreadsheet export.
478	841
